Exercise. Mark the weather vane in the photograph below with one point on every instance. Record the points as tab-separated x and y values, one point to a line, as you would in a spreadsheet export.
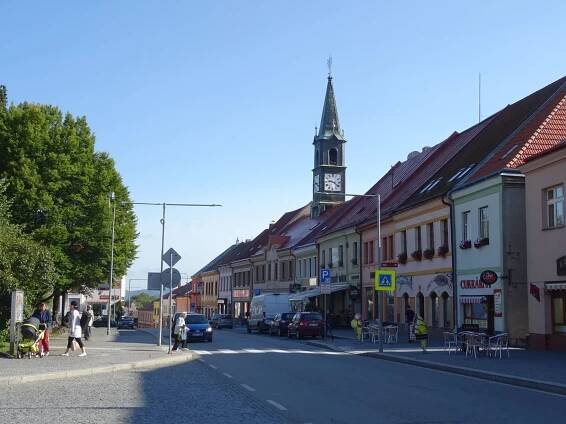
329	63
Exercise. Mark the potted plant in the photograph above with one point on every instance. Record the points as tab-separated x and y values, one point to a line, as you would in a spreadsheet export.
442	250
428	253
480	242
465	244
402	258
417	255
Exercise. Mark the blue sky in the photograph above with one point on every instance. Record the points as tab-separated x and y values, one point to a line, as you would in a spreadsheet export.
216	102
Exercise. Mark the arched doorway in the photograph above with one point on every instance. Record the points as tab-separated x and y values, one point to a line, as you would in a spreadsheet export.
445	310
434	309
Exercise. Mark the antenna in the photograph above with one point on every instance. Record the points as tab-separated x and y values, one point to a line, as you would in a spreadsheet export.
329	63
479	97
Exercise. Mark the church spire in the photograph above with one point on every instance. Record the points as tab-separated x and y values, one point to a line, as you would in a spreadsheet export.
329	122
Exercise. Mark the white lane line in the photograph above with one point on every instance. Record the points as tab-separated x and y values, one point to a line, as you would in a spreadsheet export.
227	375
248	388
277	405
200	360
214	367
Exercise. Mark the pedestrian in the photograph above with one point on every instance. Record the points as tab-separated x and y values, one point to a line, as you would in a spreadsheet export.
44	317
75	331
180	332
409	320
356	324
421	332
86	319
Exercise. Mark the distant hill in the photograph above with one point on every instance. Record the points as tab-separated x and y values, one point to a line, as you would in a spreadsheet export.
153	293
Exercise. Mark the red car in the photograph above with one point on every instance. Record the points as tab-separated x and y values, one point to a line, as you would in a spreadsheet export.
306	324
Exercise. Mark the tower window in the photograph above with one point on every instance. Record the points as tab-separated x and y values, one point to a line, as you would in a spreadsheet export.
316	158
333	156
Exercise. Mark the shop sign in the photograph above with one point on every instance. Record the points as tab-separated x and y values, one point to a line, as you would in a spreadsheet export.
472	284
498	303
241	293
221	301
561	266
488	277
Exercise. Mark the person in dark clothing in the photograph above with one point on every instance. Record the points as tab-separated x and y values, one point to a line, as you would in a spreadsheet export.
410	321
44	317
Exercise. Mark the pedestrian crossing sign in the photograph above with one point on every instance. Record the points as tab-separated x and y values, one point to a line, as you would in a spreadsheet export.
384	280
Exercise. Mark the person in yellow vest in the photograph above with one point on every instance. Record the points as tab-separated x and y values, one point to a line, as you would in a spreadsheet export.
421	332
357	326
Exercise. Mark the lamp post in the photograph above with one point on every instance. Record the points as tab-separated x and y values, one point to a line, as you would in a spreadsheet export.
113	202
378	250
162	221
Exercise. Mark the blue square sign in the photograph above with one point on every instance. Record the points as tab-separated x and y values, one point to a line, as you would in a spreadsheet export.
325	276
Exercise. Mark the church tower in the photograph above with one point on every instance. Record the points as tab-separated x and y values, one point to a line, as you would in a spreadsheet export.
329	172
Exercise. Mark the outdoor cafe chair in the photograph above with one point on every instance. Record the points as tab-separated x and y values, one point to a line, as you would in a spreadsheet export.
391	334
451	341
498	344
473	344
373	332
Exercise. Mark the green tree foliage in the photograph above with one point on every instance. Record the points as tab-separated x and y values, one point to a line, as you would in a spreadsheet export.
142	299
60	189
24	263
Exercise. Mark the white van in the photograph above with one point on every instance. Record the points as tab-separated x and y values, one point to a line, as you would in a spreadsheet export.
263	309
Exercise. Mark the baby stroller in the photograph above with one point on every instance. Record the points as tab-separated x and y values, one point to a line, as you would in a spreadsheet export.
32	333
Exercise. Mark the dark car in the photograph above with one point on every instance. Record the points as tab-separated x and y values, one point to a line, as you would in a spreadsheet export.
306	324
198	327
126	323
103	322
221	321
280	323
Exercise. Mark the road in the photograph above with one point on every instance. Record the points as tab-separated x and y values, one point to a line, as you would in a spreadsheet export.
263	379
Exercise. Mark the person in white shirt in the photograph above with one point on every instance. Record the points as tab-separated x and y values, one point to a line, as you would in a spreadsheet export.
75	330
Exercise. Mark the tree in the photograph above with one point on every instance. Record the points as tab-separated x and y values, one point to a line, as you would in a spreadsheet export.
60	189
24	263
142	299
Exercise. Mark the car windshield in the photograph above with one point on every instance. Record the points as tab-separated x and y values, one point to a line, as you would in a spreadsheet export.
312	317
196	319
225	317
287	316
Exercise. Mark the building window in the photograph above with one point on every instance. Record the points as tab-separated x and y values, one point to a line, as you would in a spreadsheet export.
476	313
404	241
559	313
340	255
420	305
276	271
366	253
391	246
384	249
484	222
333	156
466	230
430	235
355	253
291	270
444	232
371	256
554	198
269	271
418	239
434	309
283	271
323	259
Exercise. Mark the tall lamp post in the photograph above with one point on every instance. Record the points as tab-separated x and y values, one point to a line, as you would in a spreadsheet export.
378	250
113	202
162	221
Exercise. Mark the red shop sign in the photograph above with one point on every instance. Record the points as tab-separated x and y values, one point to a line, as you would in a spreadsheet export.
488	277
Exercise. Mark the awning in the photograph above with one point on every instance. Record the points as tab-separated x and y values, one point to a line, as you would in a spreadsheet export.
555	286
472	299
334	287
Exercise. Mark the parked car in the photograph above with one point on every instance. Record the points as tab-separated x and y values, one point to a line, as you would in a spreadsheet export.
103	322
280	323
126	322
306	324
198	327
221	321
263	309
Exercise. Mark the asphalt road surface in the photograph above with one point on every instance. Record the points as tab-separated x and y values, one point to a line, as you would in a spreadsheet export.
262	379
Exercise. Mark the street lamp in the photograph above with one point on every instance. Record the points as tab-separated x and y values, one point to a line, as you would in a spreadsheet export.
112	200
378	250
162	221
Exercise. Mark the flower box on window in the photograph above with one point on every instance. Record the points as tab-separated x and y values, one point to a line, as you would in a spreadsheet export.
428	253
465	244
442	251
402	258
481	242
417	255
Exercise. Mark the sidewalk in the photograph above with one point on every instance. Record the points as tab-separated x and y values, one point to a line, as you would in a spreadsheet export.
528	368
120	351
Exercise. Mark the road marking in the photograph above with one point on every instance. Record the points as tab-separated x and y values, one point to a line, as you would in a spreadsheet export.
200	360
277	405
227	375
248	388
214	367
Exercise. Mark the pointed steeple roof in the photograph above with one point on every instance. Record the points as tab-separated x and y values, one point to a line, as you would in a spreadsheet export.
329	122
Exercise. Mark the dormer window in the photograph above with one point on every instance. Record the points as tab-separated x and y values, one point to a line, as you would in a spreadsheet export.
431	185
461	173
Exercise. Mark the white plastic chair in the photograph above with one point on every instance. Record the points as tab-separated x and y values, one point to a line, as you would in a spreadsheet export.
451	342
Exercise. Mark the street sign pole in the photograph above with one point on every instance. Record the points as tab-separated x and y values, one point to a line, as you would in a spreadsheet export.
380	304
161	271
170	298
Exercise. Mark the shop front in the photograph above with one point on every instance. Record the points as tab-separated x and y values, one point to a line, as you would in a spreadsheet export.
241	300
222	306
480	302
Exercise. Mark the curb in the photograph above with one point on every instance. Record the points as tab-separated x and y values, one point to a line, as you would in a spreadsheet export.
529	383
139	365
